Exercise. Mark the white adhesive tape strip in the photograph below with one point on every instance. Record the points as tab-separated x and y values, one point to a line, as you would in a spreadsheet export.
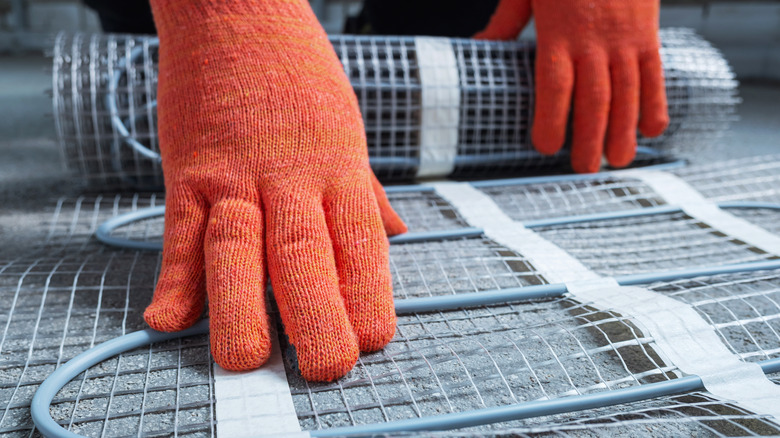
256	403
679	193
440	106
687	341
683	337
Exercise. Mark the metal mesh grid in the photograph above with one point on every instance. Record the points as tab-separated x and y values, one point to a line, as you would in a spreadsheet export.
652	243
568	198
748	179
453	361
69	293
496	103
743	308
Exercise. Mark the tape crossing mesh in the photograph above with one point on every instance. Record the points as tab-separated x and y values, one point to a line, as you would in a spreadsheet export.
100	78
67	293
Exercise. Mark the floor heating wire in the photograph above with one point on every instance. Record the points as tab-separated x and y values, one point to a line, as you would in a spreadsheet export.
610	345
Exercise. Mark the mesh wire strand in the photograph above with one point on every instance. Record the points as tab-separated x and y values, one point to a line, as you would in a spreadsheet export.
495	82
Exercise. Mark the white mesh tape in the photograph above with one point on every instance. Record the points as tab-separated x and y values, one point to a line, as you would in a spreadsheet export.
682	336
440	106
255	403
678	192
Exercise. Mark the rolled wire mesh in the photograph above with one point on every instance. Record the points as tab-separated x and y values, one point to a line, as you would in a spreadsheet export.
495	109
68	293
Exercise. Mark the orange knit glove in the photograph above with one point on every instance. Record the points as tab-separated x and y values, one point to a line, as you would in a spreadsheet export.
266	165
607	52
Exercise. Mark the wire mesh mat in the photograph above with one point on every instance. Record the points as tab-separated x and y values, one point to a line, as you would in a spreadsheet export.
68	293
104	104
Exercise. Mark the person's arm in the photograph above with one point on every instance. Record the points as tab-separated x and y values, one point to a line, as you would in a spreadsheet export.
266	168
605	55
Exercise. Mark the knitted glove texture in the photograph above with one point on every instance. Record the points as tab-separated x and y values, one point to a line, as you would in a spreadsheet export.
604	54
266	168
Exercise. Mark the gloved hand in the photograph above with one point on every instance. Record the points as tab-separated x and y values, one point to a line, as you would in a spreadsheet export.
266	165
606	51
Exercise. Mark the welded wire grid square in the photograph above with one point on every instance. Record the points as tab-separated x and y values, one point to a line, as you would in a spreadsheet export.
743	308
454	361
653	243
574	197
746	179
86	69
69	293
457	266
385	76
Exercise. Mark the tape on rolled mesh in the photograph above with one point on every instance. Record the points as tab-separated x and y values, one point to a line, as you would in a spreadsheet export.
682	336
440	95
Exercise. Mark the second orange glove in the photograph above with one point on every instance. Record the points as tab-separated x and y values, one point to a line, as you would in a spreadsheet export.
604	54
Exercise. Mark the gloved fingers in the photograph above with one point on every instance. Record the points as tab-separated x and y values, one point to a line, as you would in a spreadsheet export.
392	222
591	111
507	21
180	294
554	83
624	109
654	116
306	286
361	251
235	274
